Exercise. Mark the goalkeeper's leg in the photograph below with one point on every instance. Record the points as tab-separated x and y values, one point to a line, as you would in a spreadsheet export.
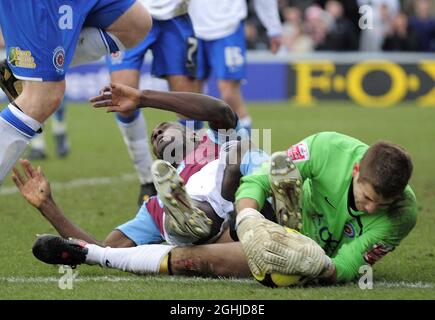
286	184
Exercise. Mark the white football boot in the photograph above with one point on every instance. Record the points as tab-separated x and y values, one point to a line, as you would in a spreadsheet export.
286	185
182	219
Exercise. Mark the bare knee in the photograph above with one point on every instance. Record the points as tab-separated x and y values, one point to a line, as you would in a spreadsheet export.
133	26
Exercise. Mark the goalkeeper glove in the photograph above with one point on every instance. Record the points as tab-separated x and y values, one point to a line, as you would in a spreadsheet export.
270	247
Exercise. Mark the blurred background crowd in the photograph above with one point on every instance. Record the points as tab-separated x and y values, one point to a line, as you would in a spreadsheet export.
350	25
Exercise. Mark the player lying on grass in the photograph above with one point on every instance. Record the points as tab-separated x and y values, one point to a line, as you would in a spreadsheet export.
356	205
209	208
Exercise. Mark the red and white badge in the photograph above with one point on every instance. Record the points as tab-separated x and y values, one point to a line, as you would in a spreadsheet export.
378	251
299	152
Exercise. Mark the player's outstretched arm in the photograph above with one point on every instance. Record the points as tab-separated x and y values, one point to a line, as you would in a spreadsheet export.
35	188
121	98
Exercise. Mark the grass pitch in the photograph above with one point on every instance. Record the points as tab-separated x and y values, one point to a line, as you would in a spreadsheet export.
97	188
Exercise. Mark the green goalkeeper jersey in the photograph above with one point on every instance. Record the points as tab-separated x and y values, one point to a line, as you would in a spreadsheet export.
352	238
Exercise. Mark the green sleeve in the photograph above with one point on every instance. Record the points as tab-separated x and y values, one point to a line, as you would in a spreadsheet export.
325	151
255	186
384	232
350	256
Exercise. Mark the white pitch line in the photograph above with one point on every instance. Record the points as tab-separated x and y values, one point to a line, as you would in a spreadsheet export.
119	279
403	284
25	280
77	183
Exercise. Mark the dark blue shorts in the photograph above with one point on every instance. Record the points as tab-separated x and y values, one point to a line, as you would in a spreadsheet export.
172	44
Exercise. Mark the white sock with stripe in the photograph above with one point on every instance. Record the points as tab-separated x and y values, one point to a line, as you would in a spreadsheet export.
140	260
16	130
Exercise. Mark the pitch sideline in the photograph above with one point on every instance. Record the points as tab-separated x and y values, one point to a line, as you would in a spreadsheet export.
46	280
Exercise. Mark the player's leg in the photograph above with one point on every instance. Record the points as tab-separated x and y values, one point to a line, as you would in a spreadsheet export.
217	259
22	120
90	30
132	26
37	147
111	26
227	57
37	144
143	259
60	131
142	229
231	93
125	68
184	84
175	57
222	259
134	131
43	89
45	63
184	222
203	68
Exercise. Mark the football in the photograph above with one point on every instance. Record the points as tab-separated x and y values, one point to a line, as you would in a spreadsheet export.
275	280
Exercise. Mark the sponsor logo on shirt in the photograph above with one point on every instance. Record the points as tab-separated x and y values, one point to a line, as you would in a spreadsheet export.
349	230
299	152
21	58
378	251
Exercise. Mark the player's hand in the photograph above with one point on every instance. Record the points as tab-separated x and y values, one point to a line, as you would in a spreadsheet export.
117	98
275	43
270	247
34	187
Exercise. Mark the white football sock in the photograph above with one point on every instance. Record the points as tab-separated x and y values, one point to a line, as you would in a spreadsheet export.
16	130
135	136
93	44
38	142
140	260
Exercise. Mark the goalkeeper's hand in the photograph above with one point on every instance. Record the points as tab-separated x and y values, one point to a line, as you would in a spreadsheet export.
270	247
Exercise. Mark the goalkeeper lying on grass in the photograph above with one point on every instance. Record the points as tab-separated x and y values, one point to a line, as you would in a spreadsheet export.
356	206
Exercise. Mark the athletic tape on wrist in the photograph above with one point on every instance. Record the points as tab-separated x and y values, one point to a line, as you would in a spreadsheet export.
247	213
